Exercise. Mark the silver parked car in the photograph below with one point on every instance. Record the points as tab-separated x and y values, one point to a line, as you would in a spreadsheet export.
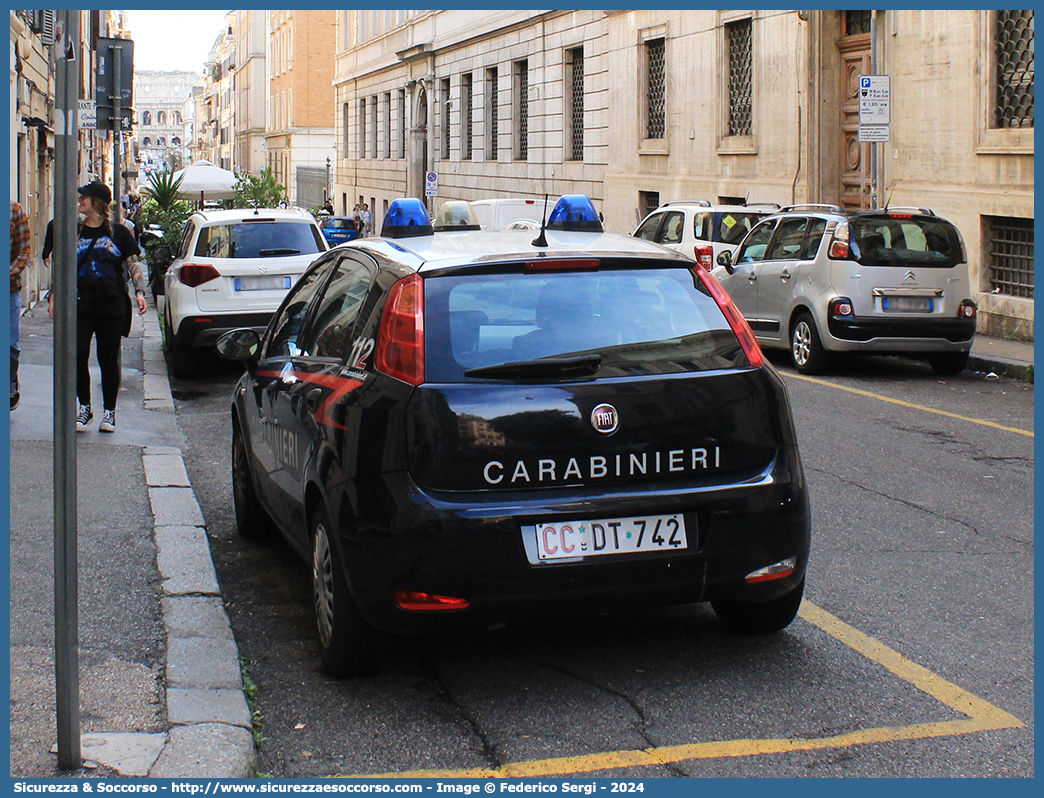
820	281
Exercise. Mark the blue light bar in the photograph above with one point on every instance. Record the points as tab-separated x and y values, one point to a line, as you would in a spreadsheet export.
456	215
574	212
406	218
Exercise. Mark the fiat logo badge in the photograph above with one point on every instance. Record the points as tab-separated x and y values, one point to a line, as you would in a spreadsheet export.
605	419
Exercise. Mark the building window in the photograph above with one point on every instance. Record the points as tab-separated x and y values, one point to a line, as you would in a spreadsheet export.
655	89
857	22
574	98
738	52
146	117
362	128
373	127
648	201
344	132
1009	255
492	126
521	92
387	125
445	93
1014	58
402	123
467	119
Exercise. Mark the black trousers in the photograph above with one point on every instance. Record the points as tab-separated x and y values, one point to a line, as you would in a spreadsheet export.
107	332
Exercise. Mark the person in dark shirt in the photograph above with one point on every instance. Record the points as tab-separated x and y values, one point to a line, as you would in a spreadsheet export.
106	257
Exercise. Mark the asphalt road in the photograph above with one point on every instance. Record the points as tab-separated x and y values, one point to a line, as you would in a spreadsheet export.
913	656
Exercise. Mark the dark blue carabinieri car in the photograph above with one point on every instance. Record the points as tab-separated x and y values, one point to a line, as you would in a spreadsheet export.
488	425
338	229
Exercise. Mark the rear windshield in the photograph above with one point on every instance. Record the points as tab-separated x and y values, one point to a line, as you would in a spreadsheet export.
729	227
905	241
339	224
639	321
258	240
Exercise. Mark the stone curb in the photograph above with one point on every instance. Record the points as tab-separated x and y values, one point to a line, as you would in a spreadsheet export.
210	731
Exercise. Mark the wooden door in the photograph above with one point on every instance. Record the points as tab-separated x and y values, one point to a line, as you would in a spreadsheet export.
855	157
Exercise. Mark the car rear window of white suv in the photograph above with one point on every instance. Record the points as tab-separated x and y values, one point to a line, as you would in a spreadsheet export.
639	321
258	240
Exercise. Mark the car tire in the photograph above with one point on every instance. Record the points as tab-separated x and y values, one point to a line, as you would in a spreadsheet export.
760	618
806	349
950	363
252	520
347	644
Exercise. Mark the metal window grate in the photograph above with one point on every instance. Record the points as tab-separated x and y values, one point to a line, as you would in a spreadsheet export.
362	128
1014	51
577	104
523	110
1010	256
465	101
738	45
656	121
857	22
446	118
494	127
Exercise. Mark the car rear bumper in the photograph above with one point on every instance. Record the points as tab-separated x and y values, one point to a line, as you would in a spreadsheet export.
204	330
900	334
439	545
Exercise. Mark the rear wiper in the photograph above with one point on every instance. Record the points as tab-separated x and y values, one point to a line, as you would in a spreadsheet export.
579	366
270	253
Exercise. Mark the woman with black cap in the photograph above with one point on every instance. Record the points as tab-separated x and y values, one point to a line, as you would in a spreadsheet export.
106	257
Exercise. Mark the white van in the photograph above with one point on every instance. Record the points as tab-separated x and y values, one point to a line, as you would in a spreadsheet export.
496	214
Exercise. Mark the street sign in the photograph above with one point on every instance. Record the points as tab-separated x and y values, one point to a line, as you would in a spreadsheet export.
108	51
874	100
86	114
431	184
875	133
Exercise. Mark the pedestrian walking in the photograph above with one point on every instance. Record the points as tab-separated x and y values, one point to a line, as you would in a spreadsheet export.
106	257
328	207
19	263
367	220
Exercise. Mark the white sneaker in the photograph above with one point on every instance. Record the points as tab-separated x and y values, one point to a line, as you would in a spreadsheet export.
108	422
83	417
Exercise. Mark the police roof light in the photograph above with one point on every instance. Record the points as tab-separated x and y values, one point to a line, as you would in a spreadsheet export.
406	218
456	215
574	212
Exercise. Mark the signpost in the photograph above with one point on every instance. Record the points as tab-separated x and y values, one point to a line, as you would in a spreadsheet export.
875	117
431	184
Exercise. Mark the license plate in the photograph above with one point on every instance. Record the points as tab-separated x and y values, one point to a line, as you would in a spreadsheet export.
264	283
907	304
567	540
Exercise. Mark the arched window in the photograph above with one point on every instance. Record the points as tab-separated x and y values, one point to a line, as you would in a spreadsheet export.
161	117
175	142
161	142
146	117
175	118
146	142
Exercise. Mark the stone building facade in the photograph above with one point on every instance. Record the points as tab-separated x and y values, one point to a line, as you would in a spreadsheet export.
159	107
638	107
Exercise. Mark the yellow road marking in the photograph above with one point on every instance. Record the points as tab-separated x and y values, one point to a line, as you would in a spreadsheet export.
911	405
980	716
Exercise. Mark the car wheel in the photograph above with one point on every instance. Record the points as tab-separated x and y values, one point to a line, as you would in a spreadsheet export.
761	618
252	520
346	643
950	363
806	350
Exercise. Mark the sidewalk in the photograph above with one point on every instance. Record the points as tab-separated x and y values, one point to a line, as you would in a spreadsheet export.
160	686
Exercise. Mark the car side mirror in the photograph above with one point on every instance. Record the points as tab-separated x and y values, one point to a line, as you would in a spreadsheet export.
725	259
243	344
161	254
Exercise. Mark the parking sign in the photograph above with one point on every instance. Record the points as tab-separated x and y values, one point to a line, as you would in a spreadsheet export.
874	100
431	184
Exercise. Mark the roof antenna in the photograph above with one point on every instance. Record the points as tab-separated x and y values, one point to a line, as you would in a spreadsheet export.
888	199
541	240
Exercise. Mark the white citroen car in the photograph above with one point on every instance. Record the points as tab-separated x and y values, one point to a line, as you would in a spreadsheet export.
232	270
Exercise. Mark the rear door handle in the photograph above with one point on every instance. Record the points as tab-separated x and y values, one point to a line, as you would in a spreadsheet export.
784	275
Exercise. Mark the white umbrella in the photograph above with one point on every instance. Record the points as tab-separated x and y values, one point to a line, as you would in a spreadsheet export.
207	180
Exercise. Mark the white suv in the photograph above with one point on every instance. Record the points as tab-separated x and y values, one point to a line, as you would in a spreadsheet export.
682	225
232	270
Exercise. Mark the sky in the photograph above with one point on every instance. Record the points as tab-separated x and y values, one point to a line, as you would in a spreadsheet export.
174	41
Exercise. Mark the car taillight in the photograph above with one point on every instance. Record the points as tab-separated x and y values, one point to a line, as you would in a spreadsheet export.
840	306
735	319
426	602
839	249
704	256
967	309
193	274
400	340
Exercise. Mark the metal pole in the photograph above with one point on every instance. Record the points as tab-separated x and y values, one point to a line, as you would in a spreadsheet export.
66	615
874	148
117	129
